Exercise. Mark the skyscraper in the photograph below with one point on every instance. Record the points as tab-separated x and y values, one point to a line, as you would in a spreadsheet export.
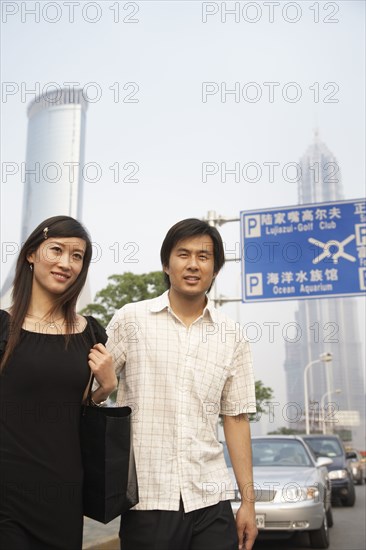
327	325
53	169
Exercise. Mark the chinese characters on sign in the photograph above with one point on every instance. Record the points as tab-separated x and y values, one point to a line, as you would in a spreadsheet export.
304	251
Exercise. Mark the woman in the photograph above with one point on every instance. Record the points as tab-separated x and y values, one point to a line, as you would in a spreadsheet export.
43	381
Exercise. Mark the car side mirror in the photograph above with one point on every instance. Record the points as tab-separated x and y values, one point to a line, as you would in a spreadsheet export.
323	461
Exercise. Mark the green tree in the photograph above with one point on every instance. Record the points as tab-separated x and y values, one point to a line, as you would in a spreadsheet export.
262	395
123	289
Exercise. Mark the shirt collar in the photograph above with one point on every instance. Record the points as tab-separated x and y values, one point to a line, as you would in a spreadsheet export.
162	302
210	308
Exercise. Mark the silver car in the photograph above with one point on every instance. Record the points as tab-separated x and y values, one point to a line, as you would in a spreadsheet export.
292	488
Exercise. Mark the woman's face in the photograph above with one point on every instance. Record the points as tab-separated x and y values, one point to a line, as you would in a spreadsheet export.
57	264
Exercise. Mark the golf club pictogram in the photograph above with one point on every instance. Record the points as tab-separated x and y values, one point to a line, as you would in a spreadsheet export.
328	249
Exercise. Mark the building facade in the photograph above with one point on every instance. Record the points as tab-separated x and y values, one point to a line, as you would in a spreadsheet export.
54	162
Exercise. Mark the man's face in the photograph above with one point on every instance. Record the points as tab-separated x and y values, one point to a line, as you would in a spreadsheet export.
191	266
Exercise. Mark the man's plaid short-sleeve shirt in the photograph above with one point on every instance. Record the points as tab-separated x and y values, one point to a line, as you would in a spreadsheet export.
177	380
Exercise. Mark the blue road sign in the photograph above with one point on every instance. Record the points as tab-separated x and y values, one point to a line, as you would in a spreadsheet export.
304	251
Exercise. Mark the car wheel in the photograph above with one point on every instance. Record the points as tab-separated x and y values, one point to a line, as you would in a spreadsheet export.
330	520
360	481
320	537
350	499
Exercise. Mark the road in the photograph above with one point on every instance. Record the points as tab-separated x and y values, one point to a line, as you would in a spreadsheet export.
348	532
101	537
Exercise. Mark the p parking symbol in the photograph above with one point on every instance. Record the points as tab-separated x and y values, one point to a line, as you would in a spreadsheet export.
360	230
252	226
254	284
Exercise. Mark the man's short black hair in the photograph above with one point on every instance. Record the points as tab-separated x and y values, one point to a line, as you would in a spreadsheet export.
191	227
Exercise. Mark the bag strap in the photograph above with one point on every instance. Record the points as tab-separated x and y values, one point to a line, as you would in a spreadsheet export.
94	340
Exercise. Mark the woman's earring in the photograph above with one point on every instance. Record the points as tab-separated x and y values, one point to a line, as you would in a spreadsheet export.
31	267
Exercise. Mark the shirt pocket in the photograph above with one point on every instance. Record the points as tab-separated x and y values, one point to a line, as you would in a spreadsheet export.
207	377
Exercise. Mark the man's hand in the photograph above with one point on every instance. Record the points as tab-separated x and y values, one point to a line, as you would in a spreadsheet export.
246	526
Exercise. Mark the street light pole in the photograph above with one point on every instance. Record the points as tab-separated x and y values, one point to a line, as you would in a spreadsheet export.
306	397
216	221
322	407
324	357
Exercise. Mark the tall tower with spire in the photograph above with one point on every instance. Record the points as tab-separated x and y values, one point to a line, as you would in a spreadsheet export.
327	325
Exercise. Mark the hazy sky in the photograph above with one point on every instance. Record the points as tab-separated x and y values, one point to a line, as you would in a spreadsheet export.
311	52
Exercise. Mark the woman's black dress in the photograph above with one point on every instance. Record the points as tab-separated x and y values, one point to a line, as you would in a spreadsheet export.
41	389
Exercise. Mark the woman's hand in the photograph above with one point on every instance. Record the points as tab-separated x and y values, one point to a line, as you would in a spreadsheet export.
101	364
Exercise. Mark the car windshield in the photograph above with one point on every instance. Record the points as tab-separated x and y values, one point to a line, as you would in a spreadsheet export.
279	453
325	446
276	452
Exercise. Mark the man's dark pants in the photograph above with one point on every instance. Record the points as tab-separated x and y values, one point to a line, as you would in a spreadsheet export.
211	528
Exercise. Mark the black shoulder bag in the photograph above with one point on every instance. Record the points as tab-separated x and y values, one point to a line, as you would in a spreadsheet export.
110	482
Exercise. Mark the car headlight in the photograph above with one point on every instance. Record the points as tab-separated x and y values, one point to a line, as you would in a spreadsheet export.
295	493
338	474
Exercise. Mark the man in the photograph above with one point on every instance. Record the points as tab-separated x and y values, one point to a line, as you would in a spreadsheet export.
182	363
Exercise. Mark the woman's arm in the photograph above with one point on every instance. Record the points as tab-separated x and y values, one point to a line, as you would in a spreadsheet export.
101	364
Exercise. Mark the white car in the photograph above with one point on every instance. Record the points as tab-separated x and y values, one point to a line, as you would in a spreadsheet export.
292	488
